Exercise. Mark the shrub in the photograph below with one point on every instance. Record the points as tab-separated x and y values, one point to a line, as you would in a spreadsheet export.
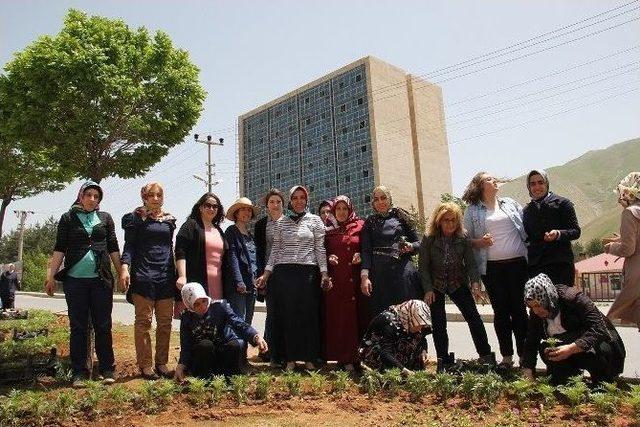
292	381
489	388
218	387
391	381
197	389
264	382
154	396
340	381
370	382
238	386
444	385
634	398
34	271
521	390
418	385
576	393
316	383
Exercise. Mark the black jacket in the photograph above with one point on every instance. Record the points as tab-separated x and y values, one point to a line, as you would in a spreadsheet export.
72	240
260	236
190	246
9	283
555	213
580	317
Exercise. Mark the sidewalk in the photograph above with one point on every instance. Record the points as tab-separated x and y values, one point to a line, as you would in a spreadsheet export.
453	314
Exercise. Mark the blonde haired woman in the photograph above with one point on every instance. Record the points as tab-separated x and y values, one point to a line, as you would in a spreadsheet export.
448	267
626	307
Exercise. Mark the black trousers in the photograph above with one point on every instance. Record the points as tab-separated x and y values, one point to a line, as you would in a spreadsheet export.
504	282
559	273
463	299
7	301
89	297
217	359
600	364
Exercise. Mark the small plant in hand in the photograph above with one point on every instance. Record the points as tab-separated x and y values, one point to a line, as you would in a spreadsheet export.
552	342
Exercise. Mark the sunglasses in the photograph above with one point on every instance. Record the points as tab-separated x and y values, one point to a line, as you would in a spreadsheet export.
210	205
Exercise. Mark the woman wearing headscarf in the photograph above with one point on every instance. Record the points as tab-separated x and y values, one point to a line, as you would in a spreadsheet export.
585	338
240	290
494	227
201	249
212	336
148	266
274	203
324	212
345	310
297	260
448	268
551	224
397	338
86	241
626	307
388	241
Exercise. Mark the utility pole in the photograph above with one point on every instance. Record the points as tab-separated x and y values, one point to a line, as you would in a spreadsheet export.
210	142
22	216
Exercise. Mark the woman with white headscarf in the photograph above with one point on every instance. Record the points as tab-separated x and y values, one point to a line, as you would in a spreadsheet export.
626	307
212	336
397	338
584	337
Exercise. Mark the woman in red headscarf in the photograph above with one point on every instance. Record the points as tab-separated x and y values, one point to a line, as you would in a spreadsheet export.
345	312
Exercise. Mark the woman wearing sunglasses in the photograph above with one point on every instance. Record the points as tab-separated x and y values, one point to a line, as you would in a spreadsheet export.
201	249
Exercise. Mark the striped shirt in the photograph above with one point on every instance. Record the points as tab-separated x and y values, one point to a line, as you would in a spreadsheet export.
299	242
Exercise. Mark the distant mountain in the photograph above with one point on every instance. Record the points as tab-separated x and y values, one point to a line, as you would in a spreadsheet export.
589	181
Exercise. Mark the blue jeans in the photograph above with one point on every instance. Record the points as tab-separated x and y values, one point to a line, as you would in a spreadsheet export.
89	297
243	305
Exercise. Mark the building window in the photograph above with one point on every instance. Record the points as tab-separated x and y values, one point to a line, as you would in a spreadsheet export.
367	198
358	77
345	154
321	93
310	165
363	148
343	107
289	107
365	173
306	100
341	85
347	178
278	175
308	120
249	127
323	115
311	188
277	133
362	124
360	101
345	130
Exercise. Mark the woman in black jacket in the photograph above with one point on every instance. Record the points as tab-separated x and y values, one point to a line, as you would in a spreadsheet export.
585	338
86	240
201	249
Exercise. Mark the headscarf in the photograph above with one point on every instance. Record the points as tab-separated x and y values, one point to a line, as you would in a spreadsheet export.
191	292
544	176
295	216
413	312
146	212
628	189
352	214
542	290
77	205
387	193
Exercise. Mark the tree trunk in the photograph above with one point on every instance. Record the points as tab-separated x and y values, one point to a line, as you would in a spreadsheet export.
3	209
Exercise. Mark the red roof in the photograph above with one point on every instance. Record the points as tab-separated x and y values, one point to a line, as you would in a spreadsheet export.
603	263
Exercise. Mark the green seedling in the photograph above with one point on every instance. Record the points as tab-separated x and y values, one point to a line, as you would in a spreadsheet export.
340	382
198	392
521	390
467	386
444	385
238	385
634	398
576	393
489	388
391	380
264	382
370	382
552	342
65	405
293	381
418	385
316	383
547	393
218	387
92	397
155	396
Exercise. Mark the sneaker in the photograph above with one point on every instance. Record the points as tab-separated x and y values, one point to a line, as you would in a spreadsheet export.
107	378
488	359
79	381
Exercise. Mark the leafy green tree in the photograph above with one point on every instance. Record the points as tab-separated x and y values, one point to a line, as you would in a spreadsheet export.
447	197
34	270
37	238
578	250
594	247
109	100
24	171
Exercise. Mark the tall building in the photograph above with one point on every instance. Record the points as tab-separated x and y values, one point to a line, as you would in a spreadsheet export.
366	124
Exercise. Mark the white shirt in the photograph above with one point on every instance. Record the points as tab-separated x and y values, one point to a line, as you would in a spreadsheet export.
507	243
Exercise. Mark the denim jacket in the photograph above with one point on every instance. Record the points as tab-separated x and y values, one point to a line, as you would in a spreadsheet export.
474	224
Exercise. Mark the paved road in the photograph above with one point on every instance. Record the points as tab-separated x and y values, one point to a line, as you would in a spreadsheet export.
459	337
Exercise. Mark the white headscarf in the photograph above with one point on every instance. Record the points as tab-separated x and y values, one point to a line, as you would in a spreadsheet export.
191	292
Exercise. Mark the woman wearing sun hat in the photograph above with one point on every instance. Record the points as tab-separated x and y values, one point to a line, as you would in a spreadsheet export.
239	288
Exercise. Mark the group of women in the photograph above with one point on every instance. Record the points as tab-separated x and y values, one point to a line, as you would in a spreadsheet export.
336	287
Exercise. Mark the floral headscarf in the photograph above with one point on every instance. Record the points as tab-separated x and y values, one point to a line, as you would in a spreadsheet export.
352	214
146	212
628	190
412	313
191	292
77	205
542	290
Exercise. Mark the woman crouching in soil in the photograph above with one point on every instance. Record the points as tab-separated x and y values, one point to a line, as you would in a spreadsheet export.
207	346
397	338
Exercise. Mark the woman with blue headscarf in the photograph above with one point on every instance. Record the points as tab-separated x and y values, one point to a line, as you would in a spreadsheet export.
86	241
581	336
298	266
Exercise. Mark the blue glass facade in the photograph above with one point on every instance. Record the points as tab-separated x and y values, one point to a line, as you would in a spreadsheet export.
319	137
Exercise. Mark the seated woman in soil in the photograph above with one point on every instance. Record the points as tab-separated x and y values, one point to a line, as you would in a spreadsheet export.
397	338
212	336
588	340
